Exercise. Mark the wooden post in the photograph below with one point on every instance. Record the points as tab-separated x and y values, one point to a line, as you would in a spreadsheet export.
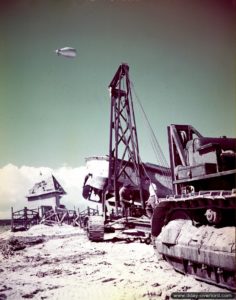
12	219
38	216
41	212
25	217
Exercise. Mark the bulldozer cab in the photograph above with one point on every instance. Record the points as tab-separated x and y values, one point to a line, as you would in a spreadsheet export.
201	162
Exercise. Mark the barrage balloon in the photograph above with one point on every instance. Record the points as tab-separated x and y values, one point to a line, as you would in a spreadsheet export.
67	52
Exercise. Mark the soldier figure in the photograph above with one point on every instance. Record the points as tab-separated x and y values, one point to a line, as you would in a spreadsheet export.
152	200
126	198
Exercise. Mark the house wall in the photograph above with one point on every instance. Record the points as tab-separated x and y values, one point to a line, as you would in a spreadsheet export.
52	200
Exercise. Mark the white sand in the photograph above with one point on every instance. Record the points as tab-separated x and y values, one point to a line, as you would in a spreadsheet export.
68	266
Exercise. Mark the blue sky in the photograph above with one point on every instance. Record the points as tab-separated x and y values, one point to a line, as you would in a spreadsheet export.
55	111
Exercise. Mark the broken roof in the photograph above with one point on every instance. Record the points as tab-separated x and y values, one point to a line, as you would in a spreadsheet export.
49	185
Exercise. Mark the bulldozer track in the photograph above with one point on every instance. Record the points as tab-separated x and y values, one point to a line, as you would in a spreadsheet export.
204	260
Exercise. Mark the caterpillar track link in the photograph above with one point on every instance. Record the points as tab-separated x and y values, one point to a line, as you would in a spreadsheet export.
196	235
95	228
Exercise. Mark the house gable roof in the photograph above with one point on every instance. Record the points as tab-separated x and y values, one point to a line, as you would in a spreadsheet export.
47	186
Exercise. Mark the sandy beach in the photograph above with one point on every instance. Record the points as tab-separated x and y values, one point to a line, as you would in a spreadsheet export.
59	262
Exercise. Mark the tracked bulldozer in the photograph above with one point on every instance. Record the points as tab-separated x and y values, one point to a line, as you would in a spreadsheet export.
194	229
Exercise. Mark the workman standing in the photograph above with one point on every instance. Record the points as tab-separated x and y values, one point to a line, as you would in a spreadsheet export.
152	200
126	197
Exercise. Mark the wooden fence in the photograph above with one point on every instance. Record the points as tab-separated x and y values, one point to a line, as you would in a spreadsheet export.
58	216
25	218
84	215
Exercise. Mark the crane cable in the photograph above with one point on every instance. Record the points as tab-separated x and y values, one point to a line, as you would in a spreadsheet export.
155	145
